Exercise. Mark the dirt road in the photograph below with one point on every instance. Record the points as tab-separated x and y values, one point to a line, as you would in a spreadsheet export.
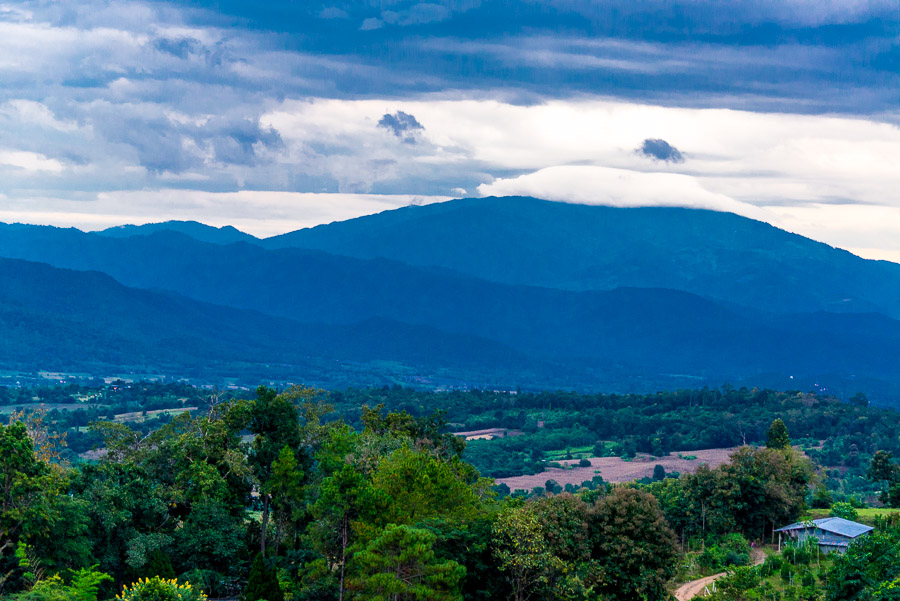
689	590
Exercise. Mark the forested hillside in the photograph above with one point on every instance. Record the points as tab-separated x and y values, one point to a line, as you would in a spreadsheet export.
375	320
63	320
534	242
286	496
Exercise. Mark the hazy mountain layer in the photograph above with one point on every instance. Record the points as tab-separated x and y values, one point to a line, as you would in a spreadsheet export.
579	247
62	319
198	231
762	311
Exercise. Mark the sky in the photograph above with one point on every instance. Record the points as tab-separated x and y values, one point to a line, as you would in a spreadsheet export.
277	115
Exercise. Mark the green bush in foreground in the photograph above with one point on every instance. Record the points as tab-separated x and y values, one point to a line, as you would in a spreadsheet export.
159	589
84	586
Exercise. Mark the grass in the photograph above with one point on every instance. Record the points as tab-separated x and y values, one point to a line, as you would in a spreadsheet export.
139	416
866	515
4	409
577	453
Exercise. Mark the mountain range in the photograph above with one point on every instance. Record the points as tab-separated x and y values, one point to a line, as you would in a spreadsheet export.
498	291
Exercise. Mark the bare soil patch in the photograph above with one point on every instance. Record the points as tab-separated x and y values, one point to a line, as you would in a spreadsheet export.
613	469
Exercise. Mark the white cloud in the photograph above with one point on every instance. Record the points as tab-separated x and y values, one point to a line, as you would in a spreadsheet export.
125	104
790	170
258	213
869	230
31	112
30	161
755	158
9	12
617	188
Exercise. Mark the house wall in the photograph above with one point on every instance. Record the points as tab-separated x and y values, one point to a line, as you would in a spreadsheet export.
824	537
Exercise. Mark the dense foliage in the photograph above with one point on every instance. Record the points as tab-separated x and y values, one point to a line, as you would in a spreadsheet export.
840	436
284	497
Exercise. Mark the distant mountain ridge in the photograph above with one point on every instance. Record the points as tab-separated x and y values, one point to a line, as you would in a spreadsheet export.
520	240
62	319
744	298
531	242
198	231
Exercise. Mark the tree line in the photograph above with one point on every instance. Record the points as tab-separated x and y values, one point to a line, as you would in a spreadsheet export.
281	497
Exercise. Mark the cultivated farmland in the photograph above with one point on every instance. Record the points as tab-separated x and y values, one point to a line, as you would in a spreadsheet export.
614	469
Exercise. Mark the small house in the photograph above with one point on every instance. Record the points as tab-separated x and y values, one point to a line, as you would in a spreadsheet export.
833	534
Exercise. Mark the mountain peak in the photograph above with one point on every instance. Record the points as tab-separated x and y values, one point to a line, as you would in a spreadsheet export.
533	242
199	231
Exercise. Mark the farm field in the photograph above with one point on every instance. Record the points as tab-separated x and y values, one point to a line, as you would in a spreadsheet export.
140	416
574	452
614	469
488	434
6	409
866	515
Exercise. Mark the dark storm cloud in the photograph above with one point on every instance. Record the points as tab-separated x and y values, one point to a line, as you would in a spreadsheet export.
771	55
660	150
402	125
179	87
163	145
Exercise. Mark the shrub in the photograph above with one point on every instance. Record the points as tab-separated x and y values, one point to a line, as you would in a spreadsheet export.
262	585
821	498
84	587
733	558
736	543
743	578
159	564
159	589
711	558
844	510
210	582
796	555
585	462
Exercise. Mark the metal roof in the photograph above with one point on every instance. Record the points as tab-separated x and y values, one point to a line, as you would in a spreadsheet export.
839	526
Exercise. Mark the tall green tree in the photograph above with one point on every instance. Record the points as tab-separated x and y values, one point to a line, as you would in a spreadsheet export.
344	496
777	436
400	565
29	489
708	510
422	486
127	516
522	551
884	471
285	487
764	487
262	584
632	545
275	424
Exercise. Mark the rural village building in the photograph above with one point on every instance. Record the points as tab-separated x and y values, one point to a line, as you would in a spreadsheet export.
834	534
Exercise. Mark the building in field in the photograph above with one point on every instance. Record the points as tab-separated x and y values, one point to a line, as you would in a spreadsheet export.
833	534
